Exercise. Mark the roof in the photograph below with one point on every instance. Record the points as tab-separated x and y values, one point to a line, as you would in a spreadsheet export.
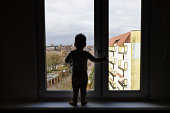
120	39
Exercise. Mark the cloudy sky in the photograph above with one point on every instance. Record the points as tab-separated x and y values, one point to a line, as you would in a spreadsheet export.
66	18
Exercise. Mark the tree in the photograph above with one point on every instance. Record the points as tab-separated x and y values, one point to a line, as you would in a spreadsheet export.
52	60
51	44
91	78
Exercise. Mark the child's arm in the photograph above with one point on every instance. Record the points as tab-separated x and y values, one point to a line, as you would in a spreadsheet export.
68	58
93	59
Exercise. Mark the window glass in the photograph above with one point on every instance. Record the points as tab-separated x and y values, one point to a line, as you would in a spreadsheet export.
125	49
126	65
119	63
125	35
63	20
120	48
115	61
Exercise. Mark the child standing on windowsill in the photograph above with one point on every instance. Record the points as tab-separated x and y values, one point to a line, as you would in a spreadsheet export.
79	59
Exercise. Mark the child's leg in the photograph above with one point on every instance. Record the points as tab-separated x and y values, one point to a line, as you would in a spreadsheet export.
75	92
83	91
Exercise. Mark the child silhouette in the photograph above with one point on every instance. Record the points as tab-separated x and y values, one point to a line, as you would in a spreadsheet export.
79	58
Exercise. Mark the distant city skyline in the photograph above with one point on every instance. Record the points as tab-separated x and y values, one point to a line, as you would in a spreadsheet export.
66	18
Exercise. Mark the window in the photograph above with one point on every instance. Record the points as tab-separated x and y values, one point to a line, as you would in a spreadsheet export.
114	48
103	80
115	60
61	27
114	73
126	65
125	48
120	48
111	48
111	58
128	22
119	63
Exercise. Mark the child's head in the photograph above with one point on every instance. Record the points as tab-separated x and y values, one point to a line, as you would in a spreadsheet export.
80	41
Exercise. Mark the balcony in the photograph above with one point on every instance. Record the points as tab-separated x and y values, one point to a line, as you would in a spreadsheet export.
122	68
111	63
111	51
112	74
112	84
120	52
123	83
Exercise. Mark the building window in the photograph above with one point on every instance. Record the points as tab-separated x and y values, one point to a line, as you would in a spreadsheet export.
120	48
114	73
115	60
114	48
111	58
125	48
111	48
119	63
126	65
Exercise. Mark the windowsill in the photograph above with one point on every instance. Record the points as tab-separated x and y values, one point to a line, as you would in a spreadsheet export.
92	105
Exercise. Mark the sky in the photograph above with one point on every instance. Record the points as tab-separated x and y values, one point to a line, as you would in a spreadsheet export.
66	18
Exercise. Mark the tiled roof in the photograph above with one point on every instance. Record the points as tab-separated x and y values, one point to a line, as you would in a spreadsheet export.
120	39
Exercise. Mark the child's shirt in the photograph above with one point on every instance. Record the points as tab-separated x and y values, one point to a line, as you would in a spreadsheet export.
79	59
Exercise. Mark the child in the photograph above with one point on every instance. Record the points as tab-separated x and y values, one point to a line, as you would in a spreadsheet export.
79	59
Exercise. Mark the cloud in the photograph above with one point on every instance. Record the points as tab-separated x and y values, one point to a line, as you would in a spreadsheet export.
124	15
66	18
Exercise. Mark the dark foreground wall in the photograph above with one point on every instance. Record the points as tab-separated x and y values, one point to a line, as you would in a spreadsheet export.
18	65
160	50
18	71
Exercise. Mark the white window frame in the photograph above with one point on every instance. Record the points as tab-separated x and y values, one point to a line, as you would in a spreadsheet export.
143	93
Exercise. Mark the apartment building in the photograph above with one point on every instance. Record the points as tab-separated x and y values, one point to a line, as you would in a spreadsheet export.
124	61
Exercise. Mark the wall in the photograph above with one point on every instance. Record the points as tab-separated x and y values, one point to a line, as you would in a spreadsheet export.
135	59
160	56
18	69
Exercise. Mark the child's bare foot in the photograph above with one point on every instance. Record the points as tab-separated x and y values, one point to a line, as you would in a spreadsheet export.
83	103
73	103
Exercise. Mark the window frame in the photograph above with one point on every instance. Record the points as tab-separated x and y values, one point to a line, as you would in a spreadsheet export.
101	48
41	55
143	93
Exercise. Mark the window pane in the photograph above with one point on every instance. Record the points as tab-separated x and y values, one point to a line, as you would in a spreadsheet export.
119	62
64	19
126	65
125	36
125	49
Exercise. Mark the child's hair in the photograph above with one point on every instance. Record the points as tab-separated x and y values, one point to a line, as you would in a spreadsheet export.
80	39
